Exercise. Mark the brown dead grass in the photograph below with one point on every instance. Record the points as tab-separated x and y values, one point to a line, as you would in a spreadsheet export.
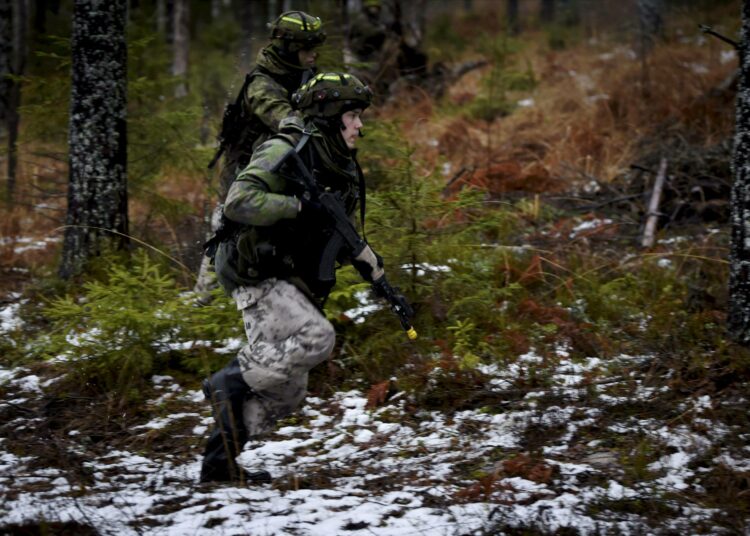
592	106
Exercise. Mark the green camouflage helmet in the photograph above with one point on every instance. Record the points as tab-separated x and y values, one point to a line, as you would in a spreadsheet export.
331	94
296	30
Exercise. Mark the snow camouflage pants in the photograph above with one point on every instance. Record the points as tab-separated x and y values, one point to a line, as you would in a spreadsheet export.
287	336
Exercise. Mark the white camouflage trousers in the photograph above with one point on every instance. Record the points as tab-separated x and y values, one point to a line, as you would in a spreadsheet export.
287	336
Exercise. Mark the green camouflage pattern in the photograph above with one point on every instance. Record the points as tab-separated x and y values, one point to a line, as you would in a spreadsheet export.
257	197
269	93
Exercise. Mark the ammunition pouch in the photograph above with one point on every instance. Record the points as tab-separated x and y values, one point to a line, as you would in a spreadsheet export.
249	257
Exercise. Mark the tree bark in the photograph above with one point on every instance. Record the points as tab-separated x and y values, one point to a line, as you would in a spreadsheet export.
6	68
11	90
181	45
651	24
739	249
514	27
40	16
97	191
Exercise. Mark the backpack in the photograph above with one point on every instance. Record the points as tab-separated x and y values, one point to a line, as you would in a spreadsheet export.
237	127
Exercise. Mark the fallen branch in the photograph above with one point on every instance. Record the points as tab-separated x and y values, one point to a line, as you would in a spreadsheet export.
710	31
653	207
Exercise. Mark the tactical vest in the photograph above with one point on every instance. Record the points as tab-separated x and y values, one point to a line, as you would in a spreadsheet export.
290	249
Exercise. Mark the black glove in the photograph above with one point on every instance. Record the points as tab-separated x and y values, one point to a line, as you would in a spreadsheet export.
311	208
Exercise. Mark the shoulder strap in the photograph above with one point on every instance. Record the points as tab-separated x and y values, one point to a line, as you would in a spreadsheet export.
362	197
296	149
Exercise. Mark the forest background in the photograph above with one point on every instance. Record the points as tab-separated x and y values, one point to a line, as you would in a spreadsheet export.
509	201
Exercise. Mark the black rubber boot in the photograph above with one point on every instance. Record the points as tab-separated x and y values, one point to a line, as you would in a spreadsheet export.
227	391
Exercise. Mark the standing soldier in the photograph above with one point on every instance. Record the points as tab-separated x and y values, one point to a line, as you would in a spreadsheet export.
367	33
278	260
264	100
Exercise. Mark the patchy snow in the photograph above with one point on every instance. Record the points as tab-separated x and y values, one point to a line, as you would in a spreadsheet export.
9	318
341	468
588	225
367	306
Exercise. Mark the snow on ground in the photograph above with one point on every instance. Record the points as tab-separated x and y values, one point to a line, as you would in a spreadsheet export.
340	468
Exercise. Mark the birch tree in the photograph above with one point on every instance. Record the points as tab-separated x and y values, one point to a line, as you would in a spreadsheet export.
97	191
739	250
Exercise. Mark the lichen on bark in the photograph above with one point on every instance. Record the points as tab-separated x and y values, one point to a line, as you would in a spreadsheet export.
97	191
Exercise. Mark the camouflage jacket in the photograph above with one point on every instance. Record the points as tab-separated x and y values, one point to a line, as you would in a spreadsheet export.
275	238
267	100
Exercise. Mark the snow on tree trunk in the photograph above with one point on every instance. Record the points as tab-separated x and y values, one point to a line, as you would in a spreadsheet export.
97	191
739	251
181	45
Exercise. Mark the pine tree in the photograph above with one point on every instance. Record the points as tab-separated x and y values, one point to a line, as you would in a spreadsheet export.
6	38
97	191
739	253
13	23
181	45
514	27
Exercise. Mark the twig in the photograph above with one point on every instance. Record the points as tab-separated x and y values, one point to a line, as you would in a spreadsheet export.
710	31
653	207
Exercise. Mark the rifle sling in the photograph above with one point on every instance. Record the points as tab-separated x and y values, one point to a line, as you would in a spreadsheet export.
303	169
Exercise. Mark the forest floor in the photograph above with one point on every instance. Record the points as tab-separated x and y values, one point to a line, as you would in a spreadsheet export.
549	442
608	446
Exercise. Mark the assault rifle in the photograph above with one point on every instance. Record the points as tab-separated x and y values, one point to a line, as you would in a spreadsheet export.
346	236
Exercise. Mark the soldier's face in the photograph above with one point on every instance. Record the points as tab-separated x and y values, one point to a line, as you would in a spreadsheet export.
352	121
307	58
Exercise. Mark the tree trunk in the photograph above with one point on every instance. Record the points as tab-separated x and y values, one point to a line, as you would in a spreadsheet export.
164	19
251	23
739	249
40	16
12	89
514	27
547	11
97	192
650	23
181	45
6	68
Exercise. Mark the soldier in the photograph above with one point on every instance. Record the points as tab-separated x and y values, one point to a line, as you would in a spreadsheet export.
367	32
270	266
264	100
